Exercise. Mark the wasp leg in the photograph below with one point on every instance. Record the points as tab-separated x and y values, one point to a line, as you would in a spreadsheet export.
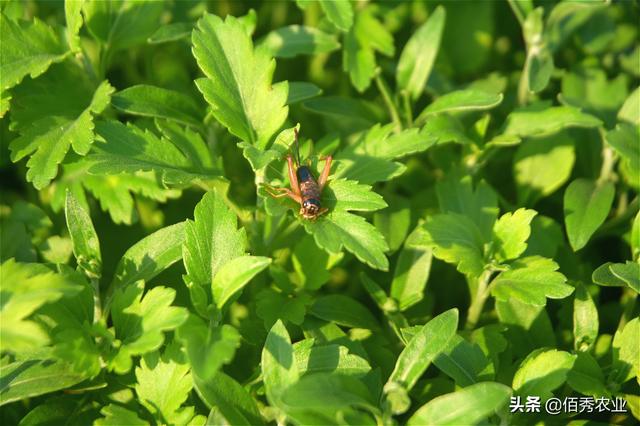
325	172
282	192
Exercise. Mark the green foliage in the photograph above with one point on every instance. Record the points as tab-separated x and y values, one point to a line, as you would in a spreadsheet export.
480	243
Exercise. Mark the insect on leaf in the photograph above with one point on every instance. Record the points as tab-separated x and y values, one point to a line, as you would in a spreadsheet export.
239	80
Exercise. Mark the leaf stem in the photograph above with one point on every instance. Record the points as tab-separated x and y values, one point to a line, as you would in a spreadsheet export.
391	107
477	302
97	303
406	102
608	161
628	301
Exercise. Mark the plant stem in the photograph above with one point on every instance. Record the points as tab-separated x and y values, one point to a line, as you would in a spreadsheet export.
391	107
97	303
406	101
477	302
628	301
608	161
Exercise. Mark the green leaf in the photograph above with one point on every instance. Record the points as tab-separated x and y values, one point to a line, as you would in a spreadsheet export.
212	239
630	111
171	32
358	59
311	263
189	142
128	149
462	101
344	311
419	54
208	347
542	372
150	256
470	405
117	415
163	385
235	403
421	350
343	194
394	221
321	398
122	24
628	272
328	358
73	17
339	13
462	361
339	229
272	306
412	271
531	280
239	80
139	322
544	120
456	194
279	369
152	101
455	239
585	319
586	207
541	166
528	326
234	275
511	232
25	379
301	91
624	140
626	353
586	376
29	48
355	113
86	246
25	288
49	138
294	40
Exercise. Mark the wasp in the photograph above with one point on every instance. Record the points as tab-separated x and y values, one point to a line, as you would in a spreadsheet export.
305	189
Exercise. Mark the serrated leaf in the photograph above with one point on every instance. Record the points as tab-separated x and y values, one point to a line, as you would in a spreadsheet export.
189	142
624	140
528	326
339	13
208	347
117	415
455	239
239	84
153	101
585	319
163	385
279	369
73	17
294	40
630	111
150	256
531	280
511	232
26	287
123	24
86	246
344	311
626	353
462	101
544	120
343	194
419	54
339	229
29	48
586	207
211	239
33	377
421	350
542	372
234	275
49	139
359	60
465	406
128	149
139	322
462	361
171	32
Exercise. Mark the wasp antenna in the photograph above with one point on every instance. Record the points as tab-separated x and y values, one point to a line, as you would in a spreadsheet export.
295	132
